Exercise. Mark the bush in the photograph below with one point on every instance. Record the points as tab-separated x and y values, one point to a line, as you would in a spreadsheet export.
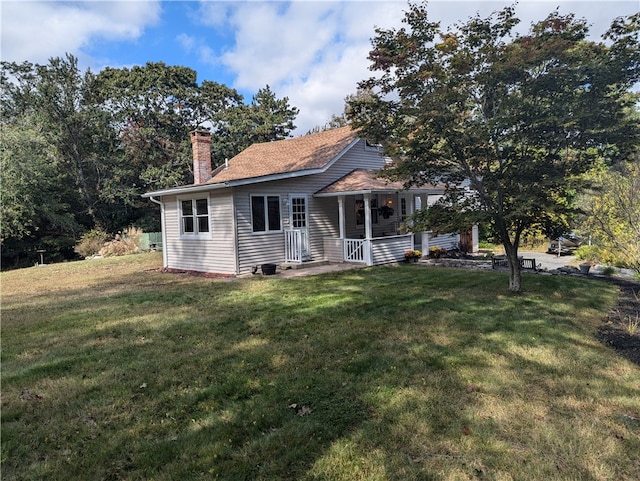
124	243
609	271
91	243
597	255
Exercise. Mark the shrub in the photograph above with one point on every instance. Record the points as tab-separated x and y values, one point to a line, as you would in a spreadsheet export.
597	255
91	243
590	254
608	271
124	243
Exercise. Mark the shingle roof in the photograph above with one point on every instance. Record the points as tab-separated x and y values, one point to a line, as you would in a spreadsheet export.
367	180
313	151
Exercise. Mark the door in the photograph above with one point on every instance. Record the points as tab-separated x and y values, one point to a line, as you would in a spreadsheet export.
298	215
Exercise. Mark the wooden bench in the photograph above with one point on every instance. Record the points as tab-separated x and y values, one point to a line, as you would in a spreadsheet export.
502	261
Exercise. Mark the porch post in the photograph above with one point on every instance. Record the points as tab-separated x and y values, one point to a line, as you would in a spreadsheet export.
426	235
341	216
367	229
474	238
367	216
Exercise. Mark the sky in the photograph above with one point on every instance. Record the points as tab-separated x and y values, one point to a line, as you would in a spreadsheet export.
313	52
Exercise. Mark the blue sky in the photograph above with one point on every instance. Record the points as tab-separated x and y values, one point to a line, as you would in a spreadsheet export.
313	52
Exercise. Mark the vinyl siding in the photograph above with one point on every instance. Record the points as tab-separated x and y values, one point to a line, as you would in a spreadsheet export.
444	241
215	255
391	249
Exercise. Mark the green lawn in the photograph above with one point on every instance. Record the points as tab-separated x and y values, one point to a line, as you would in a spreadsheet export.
112	370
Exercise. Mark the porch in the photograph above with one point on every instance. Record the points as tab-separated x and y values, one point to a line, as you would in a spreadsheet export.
370	252
369	222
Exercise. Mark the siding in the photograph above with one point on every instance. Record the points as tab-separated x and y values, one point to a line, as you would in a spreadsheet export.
390	249
215	255
446	241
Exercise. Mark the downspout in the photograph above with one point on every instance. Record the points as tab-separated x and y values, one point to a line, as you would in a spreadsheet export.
164	231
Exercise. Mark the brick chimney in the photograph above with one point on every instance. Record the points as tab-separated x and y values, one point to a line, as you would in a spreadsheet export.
201	145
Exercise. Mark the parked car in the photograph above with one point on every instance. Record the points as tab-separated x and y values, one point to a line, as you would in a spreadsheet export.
567	244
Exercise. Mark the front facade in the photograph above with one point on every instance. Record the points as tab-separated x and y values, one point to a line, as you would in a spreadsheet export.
309	198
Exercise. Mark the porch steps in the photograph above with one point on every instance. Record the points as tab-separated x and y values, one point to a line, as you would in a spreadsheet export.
303	265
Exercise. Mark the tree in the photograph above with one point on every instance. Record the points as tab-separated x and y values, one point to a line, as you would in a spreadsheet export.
30	176
519	119
54	97
613	216
265	119
335	122
34	211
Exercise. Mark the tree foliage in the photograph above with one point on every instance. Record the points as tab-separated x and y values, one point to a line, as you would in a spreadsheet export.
613	212
517	118
80	148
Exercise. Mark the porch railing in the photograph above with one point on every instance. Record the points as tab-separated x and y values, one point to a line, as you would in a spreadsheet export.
355	250
293	245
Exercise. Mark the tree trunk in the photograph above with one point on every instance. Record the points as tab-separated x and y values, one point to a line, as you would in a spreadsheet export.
515	271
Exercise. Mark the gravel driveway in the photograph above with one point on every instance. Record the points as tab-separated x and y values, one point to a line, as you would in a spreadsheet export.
549	261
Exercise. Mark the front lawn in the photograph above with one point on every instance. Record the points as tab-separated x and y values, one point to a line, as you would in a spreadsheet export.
112	370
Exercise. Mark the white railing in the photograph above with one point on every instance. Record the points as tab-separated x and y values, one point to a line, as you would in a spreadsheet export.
355	250
293	245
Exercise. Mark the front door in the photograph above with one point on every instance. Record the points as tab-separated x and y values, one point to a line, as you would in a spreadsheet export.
298	215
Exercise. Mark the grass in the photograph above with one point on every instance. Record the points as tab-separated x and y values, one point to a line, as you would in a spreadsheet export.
112	370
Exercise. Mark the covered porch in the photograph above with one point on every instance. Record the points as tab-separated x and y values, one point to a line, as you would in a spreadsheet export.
372	221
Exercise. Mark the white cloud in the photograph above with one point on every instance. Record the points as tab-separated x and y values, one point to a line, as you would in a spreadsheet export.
316	52
312	52
187	42
36	31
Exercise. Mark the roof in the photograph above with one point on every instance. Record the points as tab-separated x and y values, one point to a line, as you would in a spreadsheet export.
366	180
308	152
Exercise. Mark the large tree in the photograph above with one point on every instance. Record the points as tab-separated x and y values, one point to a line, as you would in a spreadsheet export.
517	118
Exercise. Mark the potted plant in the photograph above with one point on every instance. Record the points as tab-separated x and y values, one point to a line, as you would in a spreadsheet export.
412	255
584	268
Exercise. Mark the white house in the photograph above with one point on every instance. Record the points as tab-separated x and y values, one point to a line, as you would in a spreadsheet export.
310	198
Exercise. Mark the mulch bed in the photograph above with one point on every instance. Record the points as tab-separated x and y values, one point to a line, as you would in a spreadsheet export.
614	331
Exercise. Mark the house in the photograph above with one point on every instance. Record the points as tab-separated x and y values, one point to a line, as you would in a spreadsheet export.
310	198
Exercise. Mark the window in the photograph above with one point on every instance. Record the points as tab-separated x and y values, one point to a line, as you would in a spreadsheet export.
194	214
374	210
360	211
403	209
265	213
298	212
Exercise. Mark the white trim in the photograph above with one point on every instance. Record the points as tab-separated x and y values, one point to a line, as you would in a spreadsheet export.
191	189
305	247
266	213
195	235
378	191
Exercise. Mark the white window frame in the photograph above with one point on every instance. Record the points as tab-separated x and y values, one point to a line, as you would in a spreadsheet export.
266	230
196	234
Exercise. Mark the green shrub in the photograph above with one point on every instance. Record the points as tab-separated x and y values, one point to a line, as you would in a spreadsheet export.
608	271
91	243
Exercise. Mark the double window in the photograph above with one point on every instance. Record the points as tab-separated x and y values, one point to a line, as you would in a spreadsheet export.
265	213
194	217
